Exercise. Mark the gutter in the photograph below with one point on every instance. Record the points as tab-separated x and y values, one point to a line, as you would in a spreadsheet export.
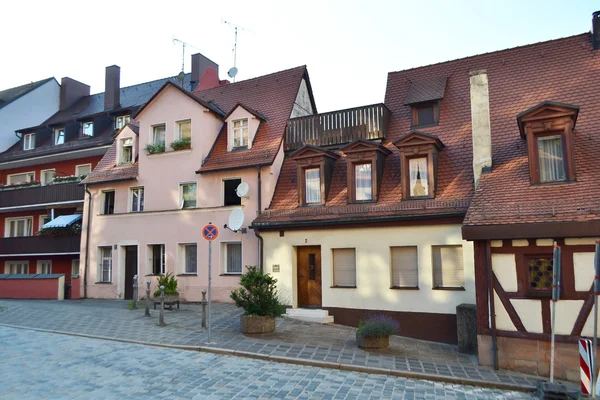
87	242
492	306
256	231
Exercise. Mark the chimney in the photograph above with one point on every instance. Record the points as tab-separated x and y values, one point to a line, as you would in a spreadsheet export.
112	87
71	91
480	124
596	29
205	73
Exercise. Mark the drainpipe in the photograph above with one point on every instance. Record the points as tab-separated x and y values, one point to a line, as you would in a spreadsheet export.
492	307
256	232
87	242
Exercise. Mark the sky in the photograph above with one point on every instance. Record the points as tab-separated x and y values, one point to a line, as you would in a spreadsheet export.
348	46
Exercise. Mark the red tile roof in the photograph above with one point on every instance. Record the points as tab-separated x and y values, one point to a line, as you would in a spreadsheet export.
271	96
108	171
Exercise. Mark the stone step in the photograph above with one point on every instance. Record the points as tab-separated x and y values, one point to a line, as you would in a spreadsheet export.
310	315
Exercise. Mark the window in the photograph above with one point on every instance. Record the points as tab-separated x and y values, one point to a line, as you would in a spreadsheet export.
48	176
190	258
363	182
405	268
17	267
188	195
109	202
233	258
312	177
240	133
29	141
137	199
344	268
448	267
121	121
105	265
419	185
425	114
75	267
20	178
230	197
551	159
59	135
158	135
184	129
44	267
126	151
87	129
156	259
83	170
18	227
540	273
44	219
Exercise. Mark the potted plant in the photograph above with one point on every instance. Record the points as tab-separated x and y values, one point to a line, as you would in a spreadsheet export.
374	332
154	148
181	144
259	298
170	283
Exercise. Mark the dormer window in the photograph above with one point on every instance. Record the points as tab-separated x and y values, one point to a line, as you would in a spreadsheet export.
364	160
59	135
548	130
87	129
426	114
312	183
127	151
314	169
29	141
121	121
240	133
424	99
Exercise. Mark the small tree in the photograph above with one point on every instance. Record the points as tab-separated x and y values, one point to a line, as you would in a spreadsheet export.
258	294
169	282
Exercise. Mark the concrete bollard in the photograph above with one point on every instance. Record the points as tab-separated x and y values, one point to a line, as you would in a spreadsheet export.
147	314
204	308
135	291
161	320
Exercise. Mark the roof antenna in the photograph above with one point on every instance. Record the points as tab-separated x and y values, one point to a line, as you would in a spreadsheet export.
233	71
181	75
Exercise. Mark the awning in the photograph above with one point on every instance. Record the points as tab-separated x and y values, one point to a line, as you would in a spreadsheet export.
63	221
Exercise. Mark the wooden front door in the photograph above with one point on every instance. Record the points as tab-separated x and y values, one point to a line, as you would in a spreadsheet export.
309	276
131	262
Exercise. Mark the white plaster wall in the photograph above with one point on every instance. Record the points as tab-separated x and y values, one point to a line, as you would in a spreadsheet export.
583	266
503	321
302	104
505	269
373	266
27	111
566	314
530	312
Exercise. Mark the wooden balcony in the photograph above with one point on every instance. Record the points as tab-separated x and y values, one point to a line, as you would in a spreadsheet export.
338	127
28	196
39	245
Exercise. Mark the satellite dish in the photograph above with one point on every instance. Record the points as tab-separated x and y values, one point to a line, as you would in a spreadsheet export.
236	219
242	189
181	76
232	72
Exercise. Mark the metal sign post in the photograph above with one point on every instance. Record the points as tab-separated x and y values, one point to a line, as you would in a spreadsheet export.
594	374
209	233
555	297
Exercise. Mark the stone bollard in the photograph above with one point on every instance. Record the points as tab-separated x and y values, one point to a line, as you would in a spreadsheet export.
204	308
161	320
135	291
147	314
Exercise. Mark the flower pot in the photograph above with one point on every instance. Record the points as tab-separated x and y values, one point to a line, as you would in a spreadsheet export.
183	148
257	324
377	342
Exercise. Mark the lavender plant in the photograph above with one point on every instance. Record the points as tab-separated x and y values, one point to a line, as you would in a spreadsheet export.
378	325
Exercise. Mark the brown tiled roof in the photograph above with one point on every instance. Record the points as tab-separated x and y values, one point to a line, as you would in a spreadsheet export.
108	171
271	96
429	89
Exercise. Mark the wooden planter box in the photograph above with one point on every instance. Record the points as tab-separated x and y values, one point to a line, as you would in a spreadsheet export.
255	324
380	342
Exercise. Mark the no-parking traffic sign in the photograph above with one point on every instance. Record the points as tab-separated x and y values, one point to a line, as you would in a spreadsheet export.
210	232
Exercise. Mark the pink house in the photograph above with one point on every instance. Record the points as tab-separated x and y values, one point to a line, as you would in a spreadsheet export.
176	168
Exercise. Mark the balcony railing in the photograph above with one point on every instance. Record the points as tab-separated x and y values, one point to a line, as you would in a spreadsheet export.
338	127
54	193
40	245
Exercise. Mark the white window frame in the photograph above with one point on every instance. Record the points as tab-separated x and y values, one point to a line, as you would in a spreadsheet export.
83	124
225	264
40	266
122	152
31	177
182	258
150	258
122	120
179	123
131	191
101	259
41	220
43	176
57	132
77	167
239	131
75	265
181	185
153	128
7	265
29	141
7	222
104	201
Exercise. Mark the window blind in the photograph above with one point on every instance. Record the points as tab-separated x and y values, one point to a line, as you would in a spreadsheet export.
448	267
405	269
234	258
344	267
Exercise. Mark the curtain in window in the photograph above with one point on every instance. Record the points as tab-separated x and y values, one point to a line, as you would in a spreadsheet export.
551	159
159	135
185	130
189	196
234	258
106	254
419	185
20	227
362	174
191	253
313	185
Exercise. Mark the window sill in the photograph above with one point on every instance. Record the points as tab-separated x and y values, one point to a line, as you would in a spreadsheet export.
232	274
311	205
425	125
404	287
103	283
171	152
155	275
240	148
363	201
455	289
342	287
553	183
190	274
414	198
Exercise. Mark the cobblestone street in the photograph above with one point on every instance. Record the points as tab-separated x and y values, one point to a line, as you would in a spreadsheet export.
38	365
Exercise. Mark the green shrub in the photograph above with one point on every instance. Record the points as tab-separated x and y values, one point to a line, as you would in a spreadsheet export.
258	294
183	143
169	282
378	326
154	148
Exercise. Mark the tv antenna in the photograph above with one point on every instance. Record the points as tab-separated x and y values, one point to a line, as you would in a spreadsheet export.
181	75
233	71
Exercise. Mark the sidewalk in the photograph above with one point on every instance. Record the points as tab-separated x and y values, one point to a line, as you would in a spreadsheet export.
331	346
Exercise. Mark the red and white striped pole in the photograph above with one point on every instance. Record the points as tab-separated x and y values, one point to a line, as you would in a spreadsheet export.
586	365
596	292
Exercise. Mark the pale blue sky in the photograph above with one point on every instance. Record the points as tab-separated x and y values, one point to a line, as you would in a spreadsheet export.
348	46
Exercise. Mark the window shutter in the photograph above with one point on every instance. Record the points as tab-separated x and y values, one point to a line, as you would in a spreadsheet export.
234	258
344	267
405	269
448	267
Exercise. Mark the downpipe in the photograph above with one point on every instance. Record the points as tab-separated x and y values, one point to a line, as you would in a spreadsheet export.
492	307
257	233
87	242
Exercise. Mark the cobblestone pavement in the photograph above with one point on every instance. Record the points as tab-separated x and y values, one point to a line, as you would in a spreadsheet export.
39	365
293	339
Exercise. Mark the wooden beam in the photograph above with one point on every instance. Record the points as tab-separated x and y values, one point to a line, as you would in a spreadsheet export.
512	313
